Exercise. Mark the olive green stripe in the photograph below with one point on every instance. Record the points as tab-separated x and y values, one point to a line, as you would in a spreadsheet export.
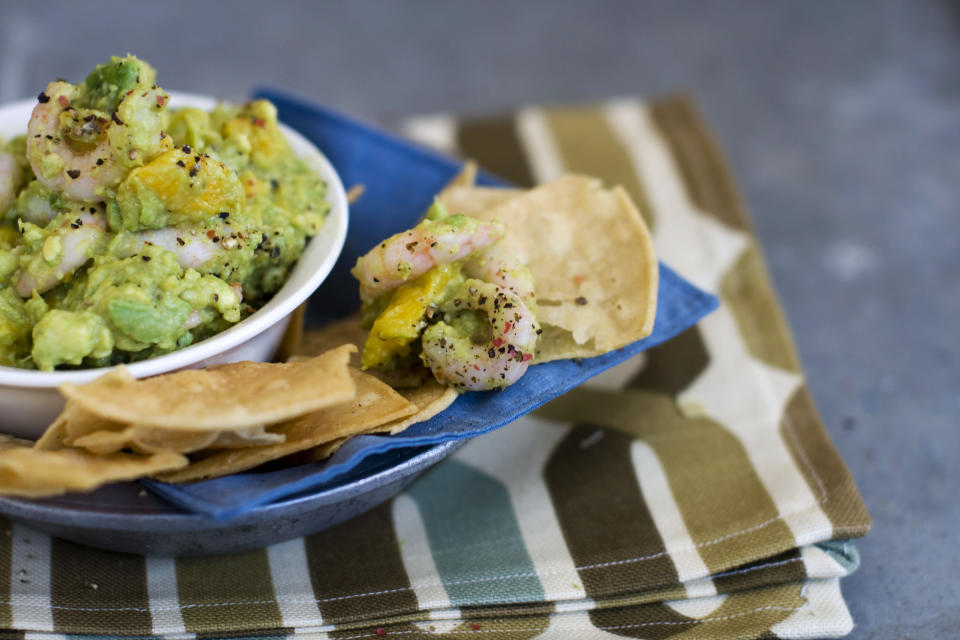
587	144
672	366
715	486
356	568
822	467
227	594
654	621
93	590
522	627
607	526
494	144
700	160
747	291
728	512
748	614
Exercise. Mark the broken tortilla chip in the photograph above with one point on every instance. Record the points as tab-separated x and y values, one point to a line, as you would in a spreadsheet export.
231	396
375	404
324	451
72	423
591	256
146	439
29	472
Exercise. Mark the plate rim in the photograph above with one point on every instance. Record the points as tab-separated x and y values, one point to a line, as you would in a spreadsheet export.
178	520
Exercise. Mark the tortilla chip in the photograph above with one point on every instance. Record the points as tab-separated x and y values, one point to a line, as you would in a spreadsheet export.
324	451
12	442
473	201
31	472
466	177
144	439
591	256
375	404
240	438
355	192
53	437
430	399
231	396
73	422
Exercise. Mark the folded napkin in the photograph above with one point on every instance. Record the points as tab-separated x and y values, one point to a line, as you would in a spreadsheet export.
394	201
690	491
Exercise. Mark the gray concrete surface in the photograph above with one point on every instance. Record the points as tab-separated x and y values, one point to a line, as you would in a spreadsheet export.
842	121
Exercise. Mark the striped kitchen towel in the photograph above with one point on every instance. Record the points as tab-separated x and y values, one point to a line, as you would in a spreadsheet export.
690	492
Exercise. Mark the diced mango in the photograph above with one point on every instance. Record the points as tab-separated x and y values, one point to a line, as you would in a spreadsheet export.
401	321
255	128
177	188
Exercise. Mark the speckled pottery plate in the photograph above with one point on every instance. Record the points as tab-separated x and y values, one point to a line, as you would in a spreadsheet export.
125	517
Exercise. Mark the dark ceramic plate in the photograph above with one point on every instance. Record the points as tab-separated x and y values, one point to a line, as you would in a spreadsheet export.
125	517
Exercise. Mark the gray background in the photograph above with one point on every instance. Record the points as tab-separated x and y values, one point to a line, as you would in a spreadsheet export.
842	122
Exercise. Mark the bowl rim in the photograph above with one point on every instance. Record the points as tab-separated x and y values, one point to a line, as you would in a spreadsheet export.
279	307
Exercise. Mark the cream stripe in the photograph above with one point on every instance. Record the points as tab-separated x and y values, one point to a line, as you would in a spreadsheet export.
30	580
417	555
753	416
578	625
163	595
515	456
824	616
820	564
439	626
583	604
667	517
697	607
693	243
542	154
437	131
291	584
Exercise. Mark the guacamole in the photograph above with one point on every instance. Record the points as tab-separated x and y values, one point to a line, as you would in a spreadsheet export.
129	229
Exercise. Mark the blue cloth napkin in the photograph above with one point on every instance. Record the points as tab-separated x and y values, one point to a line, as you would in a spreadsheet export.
401	180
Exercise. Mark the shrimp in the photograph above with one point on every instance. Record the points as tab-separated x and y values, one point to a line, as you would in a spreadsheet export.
192	251
69	248
455	358
82	151
412	253
500	266
10	175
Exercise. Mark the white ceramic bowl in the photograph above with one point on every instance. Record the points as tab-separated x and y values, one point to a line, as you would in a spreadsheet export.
29	399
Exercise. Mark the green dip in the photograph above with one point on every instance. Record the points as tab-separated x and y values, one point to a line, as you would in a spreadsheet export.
129	229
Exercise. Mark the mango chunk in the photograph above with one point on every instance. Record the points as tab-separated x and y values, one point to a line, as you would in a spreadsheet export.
402	320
